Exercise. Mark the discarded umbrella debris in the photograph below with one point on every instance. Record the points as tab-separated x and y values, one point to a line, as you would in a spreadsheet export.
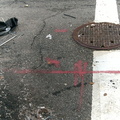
6	27
8	40
2	26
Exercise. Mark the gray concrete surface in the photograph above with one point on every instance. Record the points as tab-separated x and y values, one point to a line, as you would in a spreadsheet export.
22	95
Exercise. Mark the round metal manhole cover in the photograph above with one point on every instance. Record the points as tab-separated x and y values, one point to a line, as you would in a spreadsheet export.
98	35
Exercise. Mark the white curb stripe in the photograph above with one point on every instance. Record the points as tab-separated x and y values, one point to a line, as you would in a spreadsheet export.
106	88
106	11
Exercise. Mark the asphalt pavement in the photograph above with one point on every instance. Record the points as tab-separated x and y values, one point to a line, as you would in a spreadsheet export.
33	85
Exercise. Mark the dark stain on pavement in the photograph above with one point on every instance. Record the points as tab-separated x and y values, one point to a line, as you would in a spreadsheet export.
9	103
67	88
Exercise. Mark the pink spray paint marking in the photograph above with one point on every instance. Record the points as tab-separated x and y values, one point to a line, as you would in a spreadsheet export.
54	62
61	30
27	71
79	72
82	71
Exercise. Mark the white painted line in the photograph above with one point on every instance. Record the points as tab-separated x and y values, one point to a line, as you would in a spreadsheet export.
106	11
106	88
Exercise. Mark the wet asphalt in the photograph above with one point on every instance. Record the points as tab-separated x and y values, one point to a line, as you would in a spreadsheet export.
24	90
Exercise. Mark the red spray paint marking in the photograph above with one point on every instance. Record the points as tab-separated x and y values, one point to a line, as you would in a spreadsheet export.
27	71
77	67
82	71
108	71
61	30
54	62
79	72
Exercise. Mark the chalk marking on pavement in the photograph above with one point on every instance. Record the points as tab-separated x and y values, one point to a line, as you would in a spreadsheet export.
105	94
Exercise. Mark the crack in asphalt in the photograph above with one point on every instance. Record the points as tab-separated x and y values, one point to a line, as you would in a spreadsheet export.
67	88
44	25
16	1
39	33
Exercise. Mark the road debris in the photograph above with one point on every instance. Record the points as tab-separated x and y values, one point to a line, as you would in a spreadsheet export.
70	16
49	36
41	113
65	84
6	27
4	41
1	77
91	83
8	40
3	19
105	94
26	5
12	22
44	113
92	25
2	26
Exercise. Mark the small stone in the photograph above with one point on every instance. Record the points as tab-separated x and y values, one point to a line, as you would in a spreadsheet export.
65	84
22	80
30	104
105	94
42	107
49	62
2	91
92	25
91	83
26	5
1	77
26	99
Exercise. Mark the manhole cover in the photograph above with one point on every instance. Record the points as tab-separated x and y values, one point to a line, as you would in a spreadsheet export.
98	35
